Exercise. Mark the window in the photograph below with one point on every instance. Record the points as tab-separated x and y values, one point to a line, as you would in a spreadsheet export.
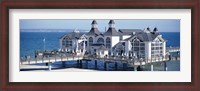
90	41
156	48
67	42
102	52
142	48
100	41
138	48
108	42
142	44
136	43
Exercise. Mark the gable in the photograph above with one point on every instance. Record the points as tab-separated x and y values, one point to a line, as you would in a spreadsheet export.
159	38
83	37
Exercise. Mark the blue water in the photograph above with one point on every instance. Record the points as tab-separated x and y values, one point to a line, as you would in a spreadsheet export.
31	41
173	38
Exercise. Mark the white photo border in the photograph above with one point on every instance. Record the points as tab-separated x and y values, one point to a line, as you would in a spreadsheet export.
184	75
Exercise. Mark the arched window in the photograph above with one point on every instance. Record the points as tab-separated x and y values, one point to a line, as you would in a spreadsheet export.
90	41
136	42
67	42
100	41
108	42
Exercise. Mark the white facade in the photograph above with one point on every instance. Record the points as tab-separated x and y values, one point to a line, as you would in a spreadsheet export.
148	50
69	43
125	37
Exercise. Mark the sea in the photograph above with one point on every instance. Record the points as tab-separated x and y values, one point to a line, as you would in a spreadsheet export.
32	41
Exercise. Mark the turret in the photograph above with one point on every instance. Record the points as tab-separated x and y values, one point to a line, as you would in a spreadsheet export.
155	30
111	24
147	30
94	24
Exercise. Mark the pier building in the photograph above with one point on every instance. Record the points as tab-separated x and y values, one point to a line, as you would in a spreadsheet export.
135	43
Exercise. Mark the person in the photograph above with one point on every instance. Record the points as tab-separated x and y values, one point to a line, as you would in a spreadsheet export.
25	58
169	57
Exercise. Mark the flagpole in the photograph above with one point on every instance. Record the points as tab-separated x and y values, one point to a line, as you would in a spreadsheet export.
44	43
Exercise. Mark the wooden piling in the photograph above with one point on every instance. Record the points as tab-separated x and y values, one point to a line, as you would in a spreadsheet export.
55	58
86	64
165	66
43	59
61	57
105	66
151	67
46	64
36	60
49	66
124	66
49	58
95	64
115	65
135	68
80	64
63	64
29	60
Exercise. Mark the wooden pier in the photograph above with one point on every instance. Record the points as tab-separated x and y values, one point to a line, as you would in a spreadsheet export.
107	60
172	49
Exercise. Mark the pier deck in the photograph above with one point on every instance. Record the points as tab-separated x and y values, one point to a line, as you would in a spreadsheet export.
87	58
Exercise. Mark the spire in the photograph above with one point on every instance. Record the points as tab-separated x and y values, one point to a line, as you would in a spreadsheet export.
94	30
111	30
94	24
155	29
147	30
111	24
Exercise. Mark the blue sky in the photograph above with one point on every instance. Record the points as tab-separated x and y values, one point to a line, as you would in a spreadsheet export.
162	25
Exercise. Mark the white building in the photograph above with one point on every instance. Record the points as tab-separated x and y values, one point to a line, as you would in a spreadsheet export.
74	42
146	44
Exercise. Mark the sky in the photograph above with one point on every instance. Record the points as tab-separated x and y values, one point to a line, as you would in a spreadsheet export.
167	25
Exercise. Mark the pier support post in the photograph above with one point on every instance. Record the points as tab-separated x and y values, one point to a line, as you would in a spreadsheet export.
86	64
42	59
105	66
165	66
63	64
124	66
151	67
95	63
115	65
135	68
49	66
80	63
55	58
35	60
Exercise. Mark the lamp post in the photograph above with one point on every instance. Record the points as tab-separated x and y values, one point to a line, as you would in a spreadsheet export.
44	43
